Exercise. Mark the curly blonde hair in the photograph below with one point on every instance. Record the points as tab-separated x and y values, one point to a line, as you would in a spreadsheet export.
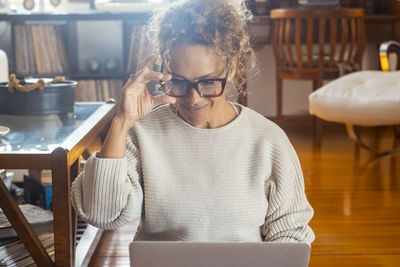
220	24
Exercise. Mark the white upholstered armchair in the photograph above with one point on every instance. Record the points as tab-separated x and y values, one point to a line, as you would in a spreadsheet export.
363	98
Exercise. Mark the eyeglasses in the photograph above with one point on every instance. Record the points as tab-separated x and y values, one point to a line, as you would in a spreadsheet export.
206	88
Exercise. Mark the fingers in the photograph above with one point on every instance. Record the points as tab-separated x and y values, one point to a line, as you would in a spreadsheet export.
146	75
144	68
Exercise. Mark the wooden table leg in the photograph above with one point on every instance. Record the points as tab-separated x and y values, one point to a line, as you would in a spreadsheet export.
63	236
23	228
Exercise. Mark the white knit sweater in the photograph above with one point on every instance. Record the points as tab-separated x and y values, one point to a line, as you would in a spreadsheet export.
239	182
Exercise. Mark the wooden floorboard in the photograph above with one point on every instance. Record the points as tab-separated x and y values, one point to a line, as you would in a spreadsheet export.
113	247
355	260
356	203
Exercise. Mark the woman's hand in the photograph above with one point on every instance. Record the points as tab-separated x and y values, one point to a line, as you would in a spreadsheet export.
135	100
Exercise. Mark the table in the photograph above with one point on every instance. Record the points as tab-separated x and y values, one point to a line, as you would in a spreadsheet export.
53	142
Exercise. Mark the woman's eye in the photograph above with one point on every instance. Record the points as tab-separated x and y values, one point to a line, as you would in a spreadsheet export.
208	83
177	82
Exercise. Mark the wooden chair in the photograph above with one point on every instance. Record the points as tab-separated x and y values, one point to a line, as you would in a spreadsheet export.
316	45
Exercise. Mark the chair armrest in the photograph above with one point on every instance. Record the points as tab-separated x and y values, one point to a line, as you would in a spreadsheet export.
384	50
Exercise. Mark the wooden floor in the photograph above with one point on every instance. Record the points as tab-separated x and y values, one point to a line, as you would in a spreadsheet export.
356	203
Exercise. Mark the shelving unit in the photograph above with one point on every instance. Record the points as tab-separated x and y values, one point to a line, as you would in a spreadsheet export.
68	24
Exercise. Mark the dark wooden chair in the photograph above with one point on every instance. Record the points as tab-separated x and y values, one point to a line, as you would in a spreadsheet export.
316	45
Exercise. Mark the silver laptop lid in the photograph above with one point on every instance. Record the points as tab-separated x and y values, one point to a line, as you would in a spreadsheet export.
193	254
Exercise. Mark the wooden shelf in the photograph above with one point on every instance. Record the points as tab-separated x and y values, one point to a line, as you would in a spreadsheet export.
97	76
22	18
70	39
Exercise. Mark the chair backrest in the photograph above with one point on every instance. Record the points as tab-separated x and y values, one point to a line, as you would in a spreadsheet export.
318	38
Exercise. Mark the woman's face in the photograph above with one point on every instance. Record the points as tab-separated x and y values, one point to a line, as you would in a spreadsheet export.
194	63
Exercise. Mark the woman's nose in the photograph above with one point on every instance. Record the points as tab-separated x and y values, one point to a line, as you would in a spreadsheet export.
193	95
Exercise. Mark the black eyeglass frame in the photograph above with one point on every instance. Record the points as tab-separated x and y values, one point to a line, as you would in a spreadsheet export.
195	85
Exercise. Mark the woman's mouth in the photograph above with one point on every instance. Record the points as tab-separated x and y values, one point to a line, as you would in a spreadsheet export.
195	109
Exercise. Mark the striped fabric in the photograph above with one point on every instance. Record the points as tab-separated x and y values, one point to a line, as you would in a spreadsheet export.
239	182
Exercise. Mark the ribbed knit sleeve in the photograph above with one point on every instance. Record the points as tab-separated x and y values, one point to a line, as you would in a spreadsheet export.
108	193
288	210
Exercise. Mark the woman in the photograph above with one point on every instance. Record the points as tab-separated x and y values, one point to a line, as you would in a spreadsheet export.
199	168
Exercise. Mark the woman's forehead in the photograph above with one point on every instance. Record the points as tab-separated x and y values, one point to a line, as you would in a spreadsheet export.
194	61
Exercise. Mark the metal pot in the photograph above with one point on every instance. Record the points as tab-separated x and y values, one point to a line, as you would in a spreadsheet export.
56	98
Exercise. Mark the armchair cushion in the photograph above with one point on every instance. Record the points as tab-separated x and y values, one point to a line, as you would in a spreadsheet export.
364	98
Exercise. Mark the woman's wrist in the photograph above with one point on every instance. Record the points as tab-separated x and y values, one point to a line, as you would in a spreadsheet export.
122	123
115	143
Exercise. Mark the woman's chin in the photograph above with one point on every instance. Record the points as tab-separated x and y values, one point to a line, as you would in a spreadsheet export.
194	116
196	121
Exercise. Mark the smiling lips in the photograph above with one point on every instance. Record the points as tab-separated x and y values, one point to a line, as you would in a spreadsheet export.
195	109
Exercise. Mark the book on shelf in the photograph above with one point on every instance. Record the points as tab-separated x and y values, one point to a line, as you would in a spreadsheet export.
60	48
106	90
41	221
20	46
39	49
29	51
36	48
14	253
97	90
100	90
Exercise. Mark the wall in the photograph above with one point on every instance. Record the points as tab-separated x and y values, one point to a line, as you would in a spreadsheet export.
262	89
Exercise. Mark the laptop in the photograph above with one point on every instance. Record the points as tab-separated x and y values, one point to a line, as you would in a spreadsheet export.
198	254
